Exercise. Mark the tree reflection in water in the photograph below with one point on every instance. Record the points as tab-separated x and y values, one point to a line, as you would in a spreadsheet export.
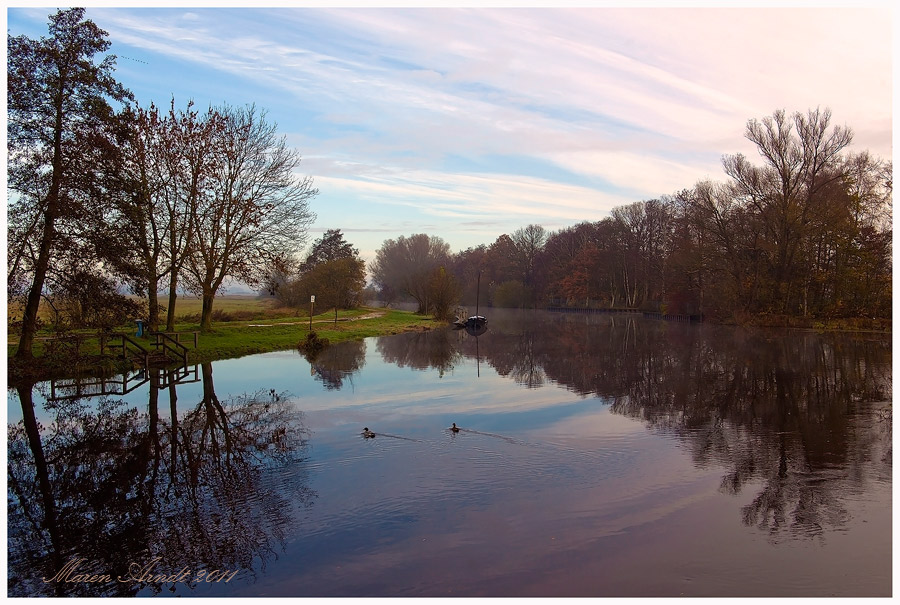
785	412
213	488
435	349
792	418
337	363
795	415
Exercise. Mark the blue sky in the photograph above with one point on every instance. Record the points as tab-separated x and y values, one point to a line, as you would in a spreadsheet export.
468	123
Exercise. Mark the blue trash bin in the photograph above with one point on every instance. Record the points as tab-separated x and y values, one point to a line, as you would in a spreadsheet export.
141	326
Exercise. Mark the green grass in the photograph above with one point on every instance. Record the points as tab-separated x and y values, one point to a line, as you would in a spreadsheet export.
254	326
235	339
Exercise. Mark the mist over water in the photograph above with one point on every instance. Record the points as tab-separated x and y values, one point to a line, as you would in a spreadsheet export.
597	456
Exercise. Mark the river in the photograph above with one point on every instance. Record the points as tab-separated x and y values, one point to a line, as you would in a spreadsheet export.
597	456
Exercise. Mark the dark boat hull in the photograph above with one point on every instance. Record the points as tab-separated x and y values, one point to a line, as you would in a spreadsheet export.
476	325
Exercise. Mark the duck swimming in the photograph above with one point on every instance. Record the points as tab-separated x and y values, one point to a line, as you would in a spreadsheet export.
454	428
367	433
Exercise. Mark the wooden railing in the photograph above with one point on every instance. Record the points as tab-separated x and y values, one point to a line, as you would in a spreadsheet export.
168	344
123	346
173	376
82	387
177	336
135	351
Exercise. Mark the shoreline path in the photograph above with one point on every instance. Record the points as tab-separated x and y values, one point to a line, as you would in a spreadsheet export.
318	321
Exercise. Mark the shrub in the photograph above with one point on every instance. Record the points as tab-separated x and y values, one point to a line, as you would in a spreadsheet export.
510	294
312	346
87	300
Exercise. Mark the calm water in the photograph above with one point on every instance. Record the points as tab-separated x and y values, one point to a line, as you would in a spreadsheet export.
599	456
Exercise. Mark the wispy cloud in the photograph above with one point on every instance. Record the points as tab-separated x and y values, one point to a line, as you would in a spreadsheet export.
466	197
612	105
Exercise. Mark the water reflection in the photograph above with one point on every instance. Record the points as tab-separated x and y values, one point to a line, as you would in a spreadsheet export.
438	349
336	364
607	440
787	414
784	411
110	487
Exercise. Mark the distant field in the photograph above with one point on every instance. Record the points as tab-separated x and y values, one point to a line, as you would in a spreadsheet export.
244	306
234	307
190	305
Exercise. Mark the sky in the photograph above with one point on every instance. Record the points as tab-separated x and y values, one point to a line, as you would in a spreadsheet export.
467	123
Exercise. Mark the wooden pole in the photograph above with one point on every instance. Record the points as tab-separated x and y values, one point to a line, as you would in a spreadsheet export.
477	293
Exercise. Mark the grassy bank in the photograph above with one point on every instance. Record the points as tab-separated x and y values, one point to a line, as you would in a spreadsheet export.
235	339
249	327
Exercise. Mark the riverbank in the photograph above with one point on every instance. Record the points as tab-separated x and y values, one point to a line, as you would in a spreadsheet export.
79	353
747	320
841	324
247	325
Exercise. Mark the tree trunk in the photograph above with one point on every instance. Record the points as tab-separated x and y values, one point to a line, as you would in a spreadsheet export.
173	440
30	315
174	269
170	312
153	432
32	431
206	312
153	297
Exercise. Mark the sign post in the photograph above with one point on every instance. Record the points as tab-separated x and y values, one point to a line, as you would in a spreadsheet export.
312	301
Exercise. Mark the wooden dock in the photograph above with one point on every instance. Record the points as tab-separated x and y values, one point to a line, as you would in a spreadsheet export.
680	317
593	310
167	347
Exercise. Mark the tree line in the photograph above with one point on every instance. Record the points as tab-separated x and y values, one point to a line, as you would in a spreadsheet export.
105	192
807	232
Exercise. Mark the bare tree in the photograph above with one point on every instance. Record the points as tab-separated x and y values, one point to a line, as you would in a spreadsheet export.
254	211
645	228
443	293
407	263
801	161
189	168
529	243
136	204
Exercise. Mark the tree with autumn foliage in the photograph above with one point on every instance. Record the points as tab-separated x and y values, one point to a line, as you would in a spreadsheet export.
443	293
336	284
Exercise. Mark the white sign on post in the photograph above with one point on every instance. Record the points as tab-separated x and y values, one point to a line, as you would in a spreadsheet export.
312	298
